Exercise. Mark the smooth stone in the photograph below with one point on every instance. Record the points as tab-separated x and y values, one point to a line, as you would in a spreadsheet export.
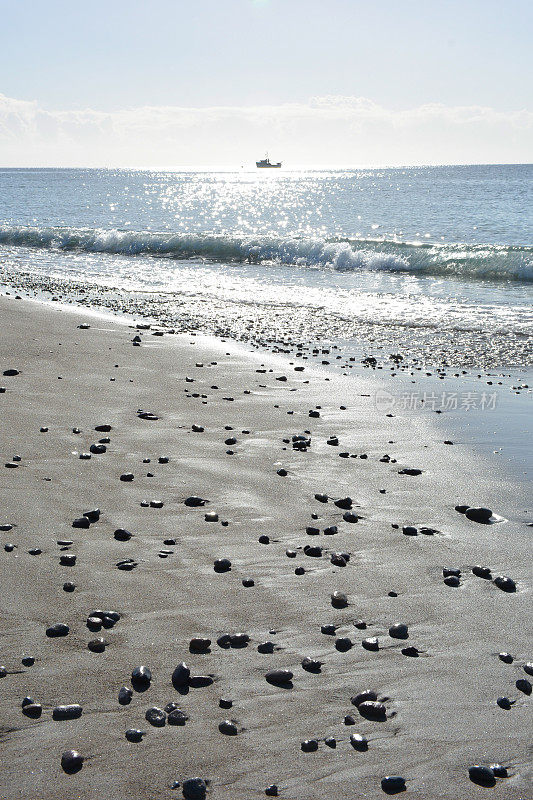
72	711
343	644
81	522
330	741
225	702
28	661
399	631
228	728
313	552
311	665
528	667
222	565
122	535
98	449
68	586
172	706
505	703
339	600
141	676
479	514
322	498
3	672
127	477
453	581
373	710
299	571
199	645
272	790
483	776
156	717
344	502
410	471
97	645
409	530
331	531
507	658
337	560
32	710
505	584
181	675
350	516
200	681
105	428
368	696
328	630
264	539
177	717
35	551
523	685
247	582
279	677
125	695
93	515
10	547
134	735
211	516
194	502
10	373
290	553
67	560
359	742
371	643
449	571
194	789
482	572
71	761
59	629
349	720
392	784
265	648
499	771
412	652
309	746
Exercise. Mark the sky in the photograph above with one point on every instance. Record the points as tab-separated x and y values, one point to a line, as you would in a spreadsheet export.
219	82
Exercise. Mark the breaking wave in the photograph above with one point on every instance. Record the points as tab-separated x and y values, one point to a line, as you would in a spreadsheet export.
477	261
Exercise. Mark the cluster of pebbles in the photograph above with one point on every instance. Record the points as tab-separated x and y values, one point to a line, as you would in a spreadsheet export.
327	515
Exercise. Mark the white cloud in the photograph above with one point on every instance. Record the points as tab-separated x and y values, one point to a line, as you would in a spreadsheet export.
327	130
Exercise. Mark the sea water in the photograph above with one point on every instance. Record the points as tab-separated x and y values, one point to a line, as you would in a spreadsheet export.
442	256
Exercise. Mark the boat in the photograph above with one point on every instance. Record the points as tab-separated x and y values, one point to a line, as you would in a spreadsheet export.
266	163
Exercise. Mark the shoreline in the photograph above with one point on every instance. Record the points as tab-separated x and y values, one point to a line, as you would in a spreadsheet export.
441	712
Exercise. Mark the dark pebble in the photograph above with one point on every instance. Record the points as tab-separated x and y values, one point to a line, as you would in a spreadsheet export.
343	644
125	695
97	645
523	685
373	710
199	645
311	665
309	746
141	677
228	728
482	572
127	477
359	742
181	675
71	761
222	565
339	600
393	784
156	717
279	677
68	586
177	717
399	631
483	776
134	735
482	515
59	629
194	789
72	711
505	584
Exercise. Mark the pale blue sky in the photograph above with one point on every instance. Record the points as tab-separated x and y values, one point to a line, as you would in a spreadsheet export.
67	55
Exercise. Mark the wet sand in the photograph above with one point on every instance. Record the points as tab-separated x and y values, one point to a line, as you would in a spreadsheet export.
217	423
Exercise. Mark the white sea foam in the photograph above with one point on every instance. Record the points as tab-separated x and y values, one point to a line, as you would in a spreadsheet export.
494	262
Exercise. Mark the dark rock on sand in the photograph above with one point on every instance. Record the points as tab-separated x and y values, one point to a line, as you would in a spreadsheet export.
368	696
528	668
81	522
482	572
72	711
452	580
483	776
399	631
199	645
371	643
194	789
309	746
127	477
392	784
125	695
194	502
265	648
228	728
505	703
177	717
373	710
122	535
141	678
59	629
181	675
222	565
505	584
71	762
67	560
359	742
311	664
412	652
156	717
272	790
68	586
343	644
499	771
478	514
32	710
507	658
523	685
248	582
279	677
97	645
134	735
339	600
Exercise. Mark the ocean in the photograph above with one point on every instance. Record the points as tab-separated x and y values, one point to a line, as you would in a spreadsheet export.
434	260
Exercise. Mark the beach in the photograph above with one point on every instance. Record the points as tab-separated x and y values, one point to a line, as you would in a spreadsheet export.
338	519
